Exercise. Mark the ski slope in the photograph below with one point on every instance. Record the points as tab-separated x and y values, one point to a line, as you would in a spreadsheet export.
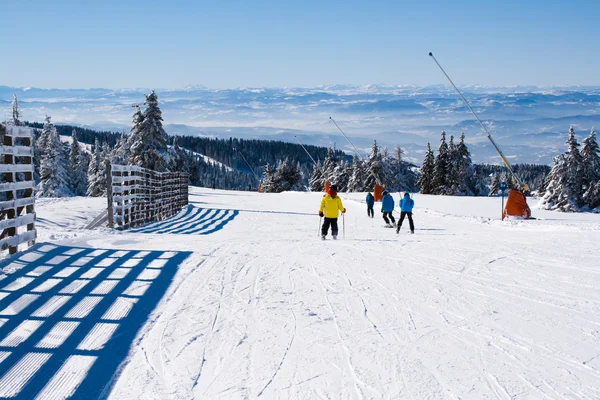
237	298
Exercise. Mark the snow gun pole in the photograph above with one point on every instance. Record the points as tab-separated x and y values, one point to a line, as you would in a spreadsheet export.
342	132
313	160
355	150
248	164
515	177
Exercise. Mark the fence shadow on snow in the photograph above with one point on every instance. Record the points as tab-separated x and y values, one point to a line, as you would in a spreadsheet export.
69	315
192	221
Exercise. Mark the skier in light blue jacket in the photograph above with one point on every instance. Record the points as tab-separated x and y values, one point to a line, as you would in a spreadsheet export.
406	207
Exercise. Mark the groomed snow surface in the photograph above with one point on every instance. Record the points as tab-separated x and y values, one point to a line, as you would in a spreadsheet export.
238	298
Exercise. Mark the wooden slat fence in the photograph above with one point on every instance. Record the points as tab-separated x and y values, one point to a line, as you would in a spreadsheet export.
17	200
138	196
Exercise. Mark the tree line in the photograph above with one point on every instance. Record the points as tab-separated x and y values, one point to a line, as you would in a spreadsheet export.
283	166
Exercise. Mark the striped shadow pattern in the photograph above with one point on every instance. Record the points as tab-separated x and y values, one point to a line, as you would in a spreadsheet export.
191	221
69	315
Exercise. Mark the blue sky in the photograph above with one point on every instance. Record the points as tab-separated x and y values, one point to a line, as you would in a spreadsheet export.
224	44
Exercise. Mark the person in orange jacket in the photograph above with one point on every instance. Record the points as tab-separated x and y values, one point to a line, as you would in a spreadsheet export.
331	205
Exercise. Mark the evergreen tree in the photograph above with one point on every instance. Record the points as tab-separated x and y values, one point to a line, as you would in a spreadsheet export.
495	185
148	137
177	157
452	176
590	156
401	175
480	183
592	197
317	181
464	168
54	178
288	176
342	176
441	166
269	182
374	167
44	138
77	168
565	181
427	171
329	167
120	153
15	118
357	175
97	173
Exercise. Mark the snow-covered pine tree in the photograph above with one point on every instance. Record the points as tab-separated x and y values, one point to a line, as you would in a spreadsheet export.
425	181
15	118
590	156
592	197
316	182
452	177
357	175
480	182
54	177
288	177
269	182
565	181
401	175
342	176
120	153
44	137
192	168
441	167
148	137
329	167
97	172
177	157
78	168
494	185
374	167
464	168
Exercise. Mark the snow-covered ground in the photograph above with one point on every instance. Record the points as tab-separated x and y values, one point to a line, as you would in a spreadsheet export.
237	297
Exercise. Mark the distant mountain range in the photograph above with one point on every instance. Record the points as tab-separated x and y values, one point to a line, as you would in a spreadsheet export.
529	123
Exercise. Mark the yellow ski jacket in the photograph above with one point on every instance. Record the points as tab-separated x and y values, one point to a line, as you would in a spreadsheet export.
331	205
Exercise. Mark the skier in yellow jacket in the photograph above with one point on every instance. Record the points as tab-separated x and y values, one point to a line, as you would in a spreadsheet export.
331	205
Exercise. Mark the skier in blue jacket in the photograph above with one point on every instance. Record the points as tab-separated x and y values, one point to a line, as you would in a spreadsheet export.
406	207
387	207
370	205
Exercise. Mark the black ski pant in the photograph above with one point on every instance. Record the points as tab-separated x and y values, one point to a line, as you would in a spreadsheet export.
410	221
370	211
385	217
334	227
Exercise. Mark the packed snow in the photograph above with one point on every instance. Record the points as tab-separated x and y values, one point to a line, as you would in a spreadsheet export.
237	297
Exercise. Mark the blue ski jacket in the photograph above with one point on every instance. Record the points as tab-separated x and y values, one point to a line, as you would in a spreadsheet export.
406	204
370	200
387	204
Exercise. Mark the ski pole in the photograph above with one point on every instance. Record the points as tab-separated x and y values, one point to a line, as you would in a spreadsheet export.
343	225
319	229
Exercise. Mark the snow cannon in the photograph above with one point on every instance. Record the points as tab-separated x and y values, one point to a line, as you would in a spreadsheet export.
516	206
378	192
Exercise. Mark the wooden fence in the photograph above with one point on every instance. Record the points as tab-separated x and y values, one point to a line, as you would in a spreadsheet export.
17	200
138	196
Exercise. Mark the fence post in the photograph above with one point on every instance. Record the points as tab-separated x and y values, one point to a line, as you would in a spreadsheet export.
9	177
30	209
109	194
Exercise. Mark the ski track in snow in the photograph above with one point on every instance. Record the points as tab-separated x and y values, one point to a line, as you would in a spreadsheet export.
467	308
